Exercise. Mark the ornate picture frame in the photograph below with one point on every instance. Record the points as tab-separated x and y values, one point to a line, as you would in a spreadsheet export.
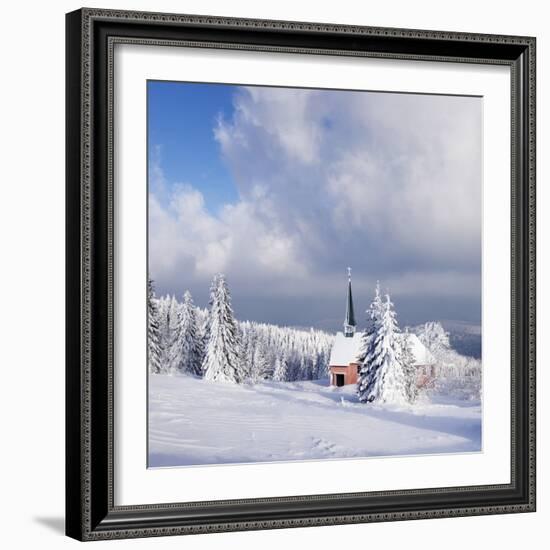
91	511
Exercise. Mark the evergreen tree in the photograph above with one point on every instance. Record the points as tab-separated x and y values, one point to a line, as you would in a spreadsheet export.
262	368
381	377
374	315
174	356
306	368
293	369
186	354
319	365
280	372
172	337
261	346
163	304
222	361
154	348
247	335
193	346
435	338
168	318
368	369
406	358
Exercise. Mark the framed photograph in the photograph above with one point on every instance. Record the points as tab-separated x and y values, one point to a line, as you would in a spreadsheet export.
300	274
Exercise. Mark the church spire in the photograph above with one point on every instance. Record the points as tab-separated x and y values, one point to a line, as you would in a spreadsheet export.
349	322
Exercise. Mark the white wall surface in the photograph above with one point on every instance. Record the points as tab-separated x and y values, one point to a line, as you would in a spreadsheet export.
32	272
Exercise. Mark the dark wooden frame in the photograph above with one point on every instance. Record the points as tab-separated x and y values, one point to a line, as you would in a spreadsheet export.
90	511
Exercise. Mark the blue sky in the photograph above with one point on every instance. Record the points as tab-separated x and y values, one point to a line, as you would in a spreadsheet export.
282	189
181	119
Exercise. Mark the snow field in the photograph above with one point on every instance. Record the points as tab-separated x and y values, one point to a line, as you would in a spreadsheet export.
193	421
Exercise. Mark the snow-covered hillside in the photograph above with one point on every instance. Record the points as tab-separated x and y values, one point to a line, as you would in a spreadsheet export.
194	421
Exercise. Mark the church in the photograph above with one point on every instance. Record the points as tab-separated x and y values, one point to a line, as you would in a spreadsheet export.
344	365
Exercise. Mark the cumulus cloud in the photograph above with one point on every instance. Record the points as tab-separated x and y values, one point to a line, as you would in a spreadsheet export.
188	244
387	183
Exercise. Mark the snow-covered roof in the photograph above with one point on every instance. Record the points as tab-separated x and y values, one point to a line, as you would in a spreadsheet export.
345	350
421	353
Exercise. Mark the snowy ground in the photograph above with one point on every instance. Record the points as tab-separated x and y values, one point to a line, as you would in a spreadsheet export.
193	421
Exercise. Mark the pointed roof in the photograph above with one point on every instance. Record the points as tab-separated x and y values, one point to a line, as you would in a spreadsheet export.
350	314
421	354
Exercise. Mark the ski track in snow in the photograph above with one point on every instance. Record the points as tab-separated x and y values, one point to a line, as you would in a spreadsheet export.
194	422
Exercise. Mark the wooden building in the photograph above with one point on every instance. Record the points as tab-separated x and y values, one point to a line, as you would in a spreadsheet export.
344	364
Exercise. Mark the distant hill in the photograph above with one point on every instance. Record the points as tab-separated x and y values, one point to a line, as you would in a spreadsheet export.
464	337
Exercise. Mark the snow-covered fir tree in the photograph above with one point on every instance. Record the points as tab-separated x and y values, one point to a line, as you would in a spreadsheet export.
305	352
168	312
304	368
247	338
321	361
435	338
374	315
368	369
382	378
193	342
187	348
262	368
222	360
154	348
406	358
280	369
174	357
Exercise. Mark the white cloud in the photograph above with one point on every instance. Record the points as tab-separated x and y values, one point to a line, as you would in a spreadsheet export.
389	183
188	243
287	121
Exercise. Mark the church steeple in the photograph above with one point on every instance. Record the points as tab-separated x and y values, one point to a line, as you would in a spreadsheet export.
349	322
